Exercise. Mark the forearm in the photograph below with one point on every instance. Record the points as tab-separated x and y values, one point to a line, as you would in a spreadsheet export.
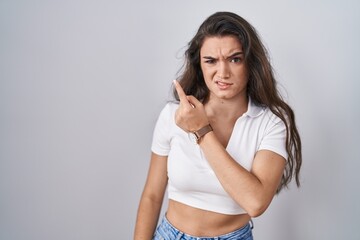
243	186
147	218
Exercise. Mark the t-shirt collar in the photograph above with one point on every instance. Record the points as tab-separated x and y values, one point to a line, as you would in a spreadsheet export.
253	109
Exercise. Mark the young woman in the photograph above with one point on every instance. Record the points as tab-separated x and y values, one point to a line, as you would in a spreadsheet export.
226	146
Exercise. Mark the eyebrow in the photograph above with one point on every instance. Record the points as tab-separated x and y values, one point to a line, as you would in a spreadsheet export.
231	56
235	54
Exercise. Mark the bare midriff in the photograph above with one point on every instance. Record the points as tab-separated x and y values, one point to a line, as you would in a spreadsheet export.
198	222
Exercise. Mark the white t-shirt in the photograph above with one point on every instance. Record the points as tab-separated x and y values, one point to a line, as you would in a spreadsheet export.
191	179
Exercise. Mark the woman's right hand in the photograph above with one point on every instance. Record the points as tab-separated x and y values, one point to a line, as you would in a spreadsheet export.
191	115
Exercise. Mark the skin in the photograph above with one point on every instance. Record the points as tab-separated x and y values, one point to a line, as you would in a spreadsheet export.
226	76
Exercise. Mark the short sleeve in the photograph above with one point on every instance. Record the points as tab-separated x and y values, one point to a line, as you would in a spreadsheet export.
275	137
161	136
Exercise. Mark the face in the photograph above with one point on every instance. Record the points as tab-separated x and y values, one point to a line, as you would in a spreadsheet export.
223	67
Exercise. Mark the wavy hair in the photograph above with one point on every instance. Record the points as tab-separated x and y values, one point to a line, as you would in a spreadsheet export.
262	85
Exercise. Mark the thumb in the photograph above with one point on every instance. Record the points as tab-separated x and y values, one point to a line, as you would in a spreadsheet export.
194	101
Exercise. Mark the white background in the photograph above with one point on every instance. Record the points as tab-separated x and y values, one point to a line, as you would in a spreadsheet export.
82	83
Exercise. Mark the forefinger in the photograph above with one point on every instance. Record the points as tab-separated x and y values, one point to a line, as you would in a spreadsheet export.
180	92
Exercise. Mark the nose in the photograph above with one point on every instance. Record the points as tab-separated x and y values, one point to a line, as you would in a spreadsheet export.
223	71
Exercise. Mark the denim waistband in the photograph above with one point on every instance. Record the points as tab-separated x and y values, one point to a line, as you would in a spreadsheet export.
168	231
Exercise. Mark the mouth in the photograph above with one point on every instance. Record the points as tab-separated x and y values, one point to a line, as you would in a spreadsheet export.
223	85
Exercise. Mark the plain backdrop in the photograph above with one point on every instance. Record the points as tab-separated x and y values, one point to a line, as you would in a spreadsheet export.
82	83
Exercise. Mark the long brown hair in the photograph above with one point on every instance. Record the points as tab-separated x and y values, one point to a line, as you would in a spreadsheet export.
261	88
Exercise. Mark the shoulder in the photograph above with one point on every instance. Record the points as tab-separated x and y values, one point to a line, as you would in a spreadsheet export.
270	122
262	118
169	108
168	111
272	117
263	113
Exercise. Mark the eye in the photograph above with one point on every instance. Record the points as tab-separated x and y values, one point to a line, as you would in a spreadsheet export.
236	60
210	61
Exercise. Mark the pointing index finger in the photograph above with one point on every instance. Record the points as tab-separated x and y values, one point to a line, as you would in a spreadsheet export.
180	92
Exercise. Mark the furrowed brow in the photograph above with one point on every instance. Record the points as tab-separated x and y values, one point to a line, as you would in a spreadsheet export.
208	57
235	54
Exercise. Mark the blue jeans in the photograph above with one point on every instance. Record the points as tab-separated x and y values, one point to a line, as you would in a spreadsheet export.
166	231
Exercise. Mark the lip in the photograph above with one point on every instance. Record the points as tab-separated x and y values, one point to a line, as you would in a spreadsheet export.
223	85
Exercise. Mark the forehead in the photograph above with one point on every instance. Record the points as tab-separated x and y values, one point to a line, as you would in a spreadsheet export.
220	45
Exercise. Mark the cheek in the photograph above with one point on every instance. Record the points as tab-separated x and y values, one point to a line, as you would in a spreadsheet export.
241	73
207	72
206	75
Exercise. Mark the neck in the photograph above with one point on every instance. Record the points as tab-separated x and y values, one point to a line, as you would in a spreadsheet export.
230	109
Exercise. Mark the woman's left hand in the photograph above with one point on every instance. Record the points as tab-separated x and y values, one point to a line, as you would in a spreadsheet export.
191	115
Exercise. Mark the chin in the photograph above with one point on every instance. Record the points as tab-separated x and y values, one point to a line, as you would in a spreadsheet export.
226	97
223	97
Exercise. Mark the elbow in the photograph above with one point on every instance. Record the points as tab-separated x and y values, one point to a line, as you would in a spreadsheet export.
257	209
253	213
